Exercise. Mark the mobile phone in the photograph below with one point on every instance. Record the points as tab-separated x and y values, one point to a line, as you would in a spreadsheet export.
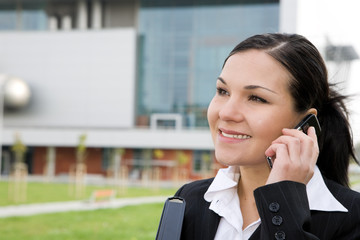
308	121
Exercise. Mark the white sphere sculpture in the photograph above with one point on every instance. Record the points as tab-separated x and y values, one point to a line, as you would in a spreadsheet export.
16	93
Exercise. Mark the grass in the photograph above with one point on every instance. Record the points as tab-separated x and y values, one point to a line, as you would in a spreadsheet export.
130	223
58	192
354	181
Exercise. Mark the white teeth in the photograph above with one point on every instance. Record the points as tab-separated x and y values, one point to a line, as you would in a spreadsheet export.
235	136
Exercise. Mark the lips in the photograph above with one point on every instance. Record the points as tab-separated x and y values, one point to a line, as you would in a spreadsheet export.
233	134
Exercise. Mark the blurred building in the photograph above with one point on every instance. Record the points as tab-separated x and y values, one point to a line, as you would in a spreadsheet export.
130	75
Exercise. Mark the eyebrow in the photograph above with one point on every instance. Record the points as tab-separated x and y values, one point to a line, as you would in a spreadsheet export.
248	87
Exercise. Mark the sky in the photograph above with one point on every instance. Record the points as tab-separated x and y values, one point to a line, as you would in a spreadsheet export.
336	21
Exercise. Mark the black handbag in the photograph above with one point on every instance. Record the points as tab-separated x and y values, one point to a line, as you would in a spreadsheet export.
171	219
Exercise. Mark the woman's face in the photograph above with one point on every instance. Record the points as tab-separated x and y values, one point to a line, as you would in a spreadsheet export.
251	107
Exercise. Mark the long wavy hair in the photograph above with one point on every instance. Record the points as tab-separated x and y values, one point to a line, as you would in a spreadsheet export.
310	88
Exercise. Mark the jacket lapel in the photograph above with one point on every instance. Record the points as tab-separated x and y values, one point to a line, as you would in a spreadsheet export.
209	222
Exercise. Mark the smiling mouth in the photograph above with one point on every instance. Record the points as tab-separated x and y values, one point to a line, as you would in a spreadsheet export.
235	136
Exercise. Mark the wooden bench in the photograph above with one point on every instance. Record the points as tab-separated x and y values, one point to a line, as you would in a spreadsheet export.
103	195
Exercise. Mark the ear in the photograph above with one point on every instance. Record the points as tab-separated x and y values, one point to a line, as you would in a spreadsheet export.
312	111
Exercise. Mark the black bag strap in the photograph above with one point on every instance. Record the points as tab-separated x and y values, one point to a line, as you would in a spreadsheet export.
171	219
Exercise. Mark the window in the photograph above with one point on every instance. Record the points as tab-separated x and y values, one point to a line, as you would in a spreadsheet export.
182	46
202	161
19	15
107	155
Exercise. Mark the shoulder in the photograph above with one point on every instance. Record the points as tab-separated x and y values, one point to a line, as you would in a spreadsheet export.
348	222
346	196
198	217
195	188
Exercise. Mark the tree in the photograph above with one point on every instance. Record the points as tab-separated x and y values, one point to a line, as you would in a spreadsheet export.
81	149
19	149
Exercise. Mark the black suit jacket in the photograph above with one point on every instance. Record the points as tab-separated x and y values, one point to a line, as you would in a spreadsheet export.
284	211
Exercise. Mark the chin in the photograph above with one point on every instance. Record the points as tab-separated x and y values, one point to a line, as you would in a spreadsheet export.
227	160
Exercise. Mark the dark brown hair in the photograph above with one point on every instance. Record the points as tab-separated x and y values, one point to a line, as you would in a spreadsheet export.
309	88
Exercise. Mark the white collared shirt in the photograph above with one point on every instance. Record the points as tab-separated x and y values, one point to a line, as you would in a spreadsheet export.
222	194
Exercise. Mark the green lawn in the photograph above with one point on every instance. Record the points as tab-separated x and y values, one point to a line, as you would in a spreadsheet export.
128	223
57	192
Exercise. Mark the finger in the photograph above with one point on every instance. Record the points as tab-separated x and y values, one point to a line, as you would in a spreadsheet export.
301	135
312	133
291	133
280	168
312	150
271	150
294	133
309	145
308	141
309	150
293	145
282	155
277	149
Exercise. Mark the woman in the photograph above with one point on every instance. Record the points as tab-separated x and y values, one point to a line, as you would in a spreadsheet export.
268	84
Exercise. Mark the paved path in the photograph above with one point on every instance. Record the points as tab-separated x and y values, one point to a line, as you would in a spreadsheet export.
40	208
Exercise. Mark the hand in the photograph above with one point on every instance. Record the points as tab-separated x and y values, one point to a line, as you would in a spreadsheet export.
294	155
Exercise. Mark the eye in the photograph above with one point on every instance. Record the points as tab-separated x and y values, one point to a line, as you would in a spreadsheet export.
222	91
257	99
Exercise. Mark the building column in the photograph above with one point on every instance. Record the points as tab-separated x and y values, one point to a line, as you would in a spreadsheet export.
52	23
50	162
66	22
96	20
82	17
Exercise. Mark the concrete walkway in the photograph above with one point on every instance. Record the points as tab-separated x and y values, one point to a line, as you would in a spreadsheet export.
41	208
55	207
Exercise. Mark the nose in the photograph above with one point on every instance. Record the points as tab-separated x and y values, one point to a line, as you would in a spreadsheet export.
232	111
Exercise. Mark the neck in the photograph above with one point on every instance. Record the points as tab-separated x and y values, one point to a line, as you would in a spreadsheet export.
251	178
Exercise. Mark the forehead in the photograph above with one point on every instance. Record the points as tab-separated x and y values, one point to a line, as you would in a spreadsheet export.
256	67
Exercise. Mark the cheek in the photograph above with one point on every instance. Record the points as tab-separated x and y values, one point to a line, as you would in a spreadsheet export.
212	113
260	122
269	128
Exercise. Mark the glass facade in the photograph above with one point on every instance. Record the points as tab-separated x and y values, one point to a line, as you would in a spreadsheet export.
182	47
18	15
202	161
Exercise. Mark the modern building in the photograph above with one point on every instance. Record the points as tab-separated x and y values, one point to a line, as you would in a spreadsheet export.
130	75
